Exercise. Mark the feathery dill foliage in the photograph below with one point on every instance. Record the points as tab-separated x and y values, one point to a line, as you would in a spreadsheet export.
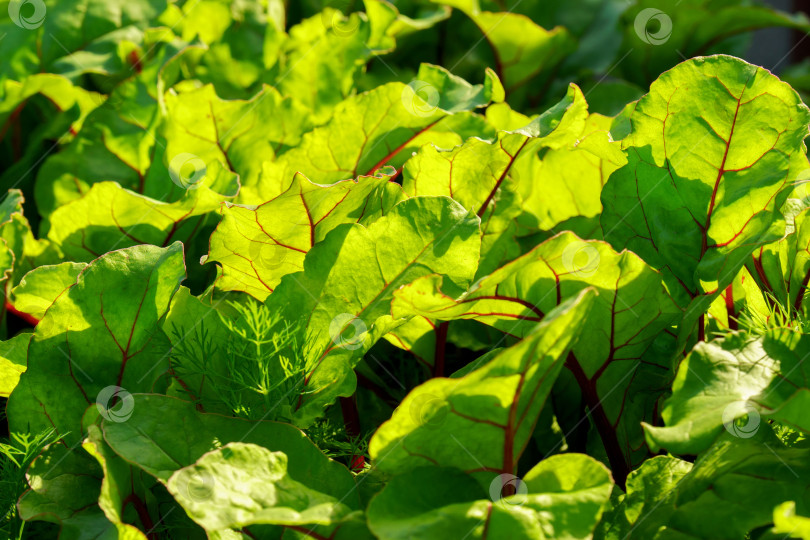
15	457
331	438
254	368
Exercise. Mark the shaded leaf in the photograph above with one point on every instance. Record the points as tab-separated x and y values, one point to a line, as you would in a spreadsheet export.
711	151
101	336
561	497
735	383
481	422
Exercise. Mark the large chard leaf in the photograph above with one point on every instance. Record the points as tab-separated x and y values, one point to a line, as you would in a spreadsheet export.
250	485
119	139
524	52
322	57
481	422
110	217
733	383
565	183
632	309
256	246
19	250
174	442
711	151
89	499
241	134
98	337
13	231
383	127
342	298
151	438
478	174
72	37
483	177
34	113
731	491
561	497
59	91
649	491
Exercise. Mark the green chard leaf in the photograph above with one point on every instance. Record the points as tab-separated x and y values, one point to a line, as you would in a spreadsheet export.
342	298
120	140
711	153
524	52
99	339
165	434
389	21
19	250
632	309
382	127
121	487
481	422
561	497
110	217
483	177
257	246
731	490
479	174
208	464
201	126
734	383
571	178
65	489
62	108
250	485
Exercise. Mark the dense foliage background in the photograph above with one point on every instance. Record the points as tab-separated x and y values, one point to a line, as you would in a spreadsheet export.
420	269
